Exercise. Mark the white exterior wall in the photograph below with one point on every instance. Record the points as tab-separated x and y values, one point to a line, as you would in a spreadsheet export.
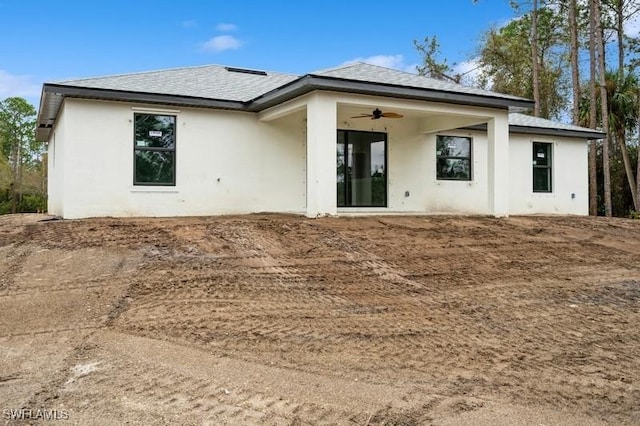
498	164
569	176
233	162
226	162
411	163
412	167
321	155
56	167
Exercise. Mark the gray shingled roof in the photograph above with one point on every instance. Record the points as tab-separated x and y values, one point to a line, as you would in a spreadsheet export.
526	124
520	123
377	74
214	86
523	120
209	81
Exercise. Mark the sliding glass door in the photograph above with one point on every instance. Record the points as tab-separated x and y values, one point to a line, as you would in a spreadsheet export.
362	169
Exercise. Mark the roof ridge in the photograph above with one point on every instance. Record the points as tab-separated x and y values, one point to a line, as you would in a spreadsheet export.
350	64
398	71
389	68
128	74
338	67
423	76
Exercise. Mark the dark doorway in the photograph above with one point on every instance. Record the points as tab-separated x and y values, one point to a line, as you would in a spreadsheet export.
362	169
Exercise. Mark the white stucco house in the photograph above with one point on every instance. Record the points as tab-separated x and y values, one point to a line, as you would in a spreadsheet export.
357	139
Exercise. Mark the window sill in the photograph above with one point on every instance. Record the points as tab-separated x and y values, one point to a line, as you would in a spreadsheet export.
544	194
440	182
362	209
154	190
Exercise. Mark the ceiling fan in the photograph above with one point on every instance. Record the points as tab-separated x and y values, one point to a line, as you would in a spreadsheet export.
377	114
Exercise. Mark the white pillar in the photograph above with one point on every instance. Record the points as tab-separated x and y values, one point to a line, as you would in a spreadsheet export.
321	156
498	167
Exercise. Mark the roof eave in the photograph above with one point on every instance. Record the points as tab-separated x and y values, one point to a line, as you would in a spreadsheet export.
311	82
44	125
528	130
591	135
61	91
156	98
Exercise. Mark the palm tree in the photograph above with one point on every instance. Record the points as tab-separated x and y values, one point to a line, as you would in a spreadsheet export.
623	111
622	95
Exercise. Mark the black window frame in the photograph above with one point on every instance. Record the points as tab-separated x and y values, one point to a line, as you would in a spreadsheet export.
155	149
455	157
385	139
548	166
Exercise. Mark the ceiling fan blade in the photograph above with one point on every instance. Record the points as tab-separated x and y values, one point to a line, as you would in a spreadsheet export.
392	115
362	116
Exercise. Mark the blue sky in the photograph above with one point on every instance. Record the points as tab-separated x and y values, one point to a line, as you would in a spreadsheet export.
48	41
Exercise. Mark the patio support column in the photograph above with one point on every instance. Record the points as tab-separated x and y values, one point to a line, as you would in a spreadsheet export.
321	155
498	167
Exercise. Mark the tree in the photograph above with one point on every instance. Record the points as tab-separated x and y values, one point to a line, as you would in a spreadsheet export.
574	28
17	142
574	53
616	14
429	48
528	57
535	59
507	63
623	109
621	11
622	95
593	113
596	16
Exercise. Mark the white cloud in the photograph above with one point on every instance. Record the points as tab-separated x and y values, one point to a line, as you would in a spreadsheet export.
388	61
469	71
221	43
191	23
226	27
17	85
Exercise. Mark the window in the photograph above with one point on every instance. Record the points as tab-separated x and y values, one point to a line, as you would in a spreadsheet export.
542	163
154	150
453	157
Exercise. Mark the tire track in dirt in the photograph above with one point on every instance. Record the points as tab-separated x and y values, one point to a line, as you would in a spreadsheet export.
13	265
219	390
439	307
277	333
55	307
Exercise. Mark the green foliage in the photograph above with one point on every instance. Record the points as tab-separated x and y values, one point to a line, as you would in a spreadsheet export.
17	126
622	100
621	198
33	203
633	46
622	96
22	178
5	174
30	203
431	65
507	65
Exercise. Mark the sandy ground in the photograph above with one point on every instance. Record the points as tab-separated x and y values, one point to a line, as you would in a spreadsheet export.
275	319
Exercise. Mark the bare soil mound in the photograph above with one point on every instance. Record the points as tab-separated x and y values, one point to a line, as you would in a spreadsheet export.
276	319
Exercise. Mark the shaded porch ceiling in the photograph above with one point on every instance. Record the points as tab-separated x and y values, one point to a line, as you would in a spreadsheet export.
426	122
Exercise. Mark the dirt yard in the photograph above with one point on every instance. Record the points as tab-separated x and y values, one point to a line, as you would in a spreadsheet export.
275	319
